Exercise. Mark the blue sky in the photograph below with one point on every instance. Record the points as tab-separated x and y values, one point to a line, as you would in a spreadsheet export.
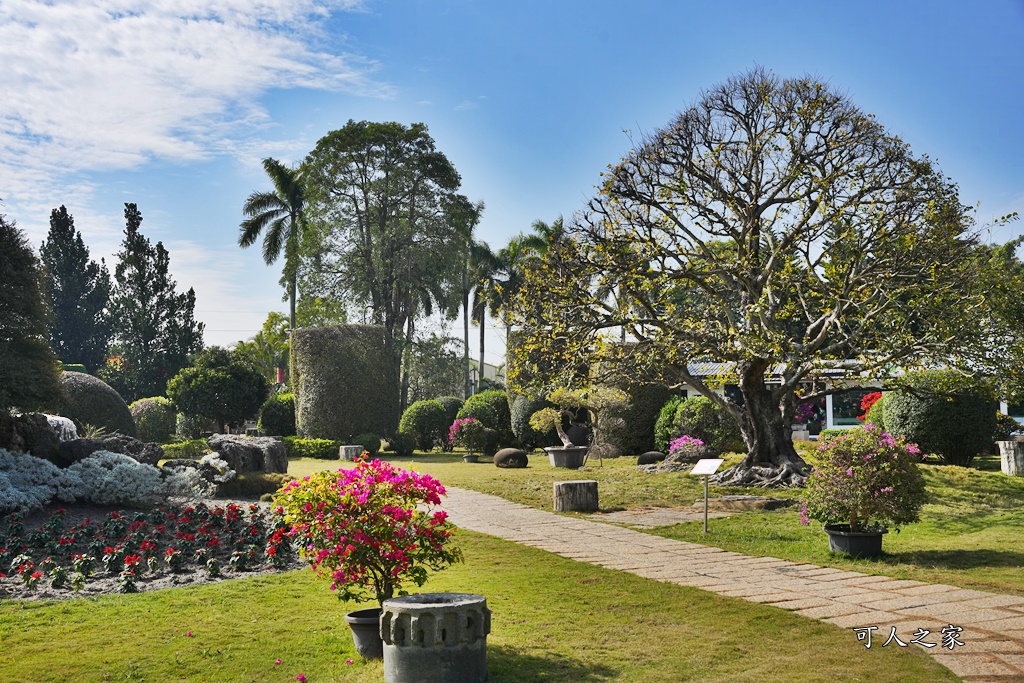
173	103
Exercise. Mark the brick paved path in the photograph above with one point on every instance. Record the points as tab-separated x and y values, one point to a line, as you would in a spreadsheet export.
993	624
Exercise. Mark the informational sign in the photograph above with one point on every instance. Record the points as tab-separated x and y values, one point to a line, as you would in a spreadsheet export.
707	466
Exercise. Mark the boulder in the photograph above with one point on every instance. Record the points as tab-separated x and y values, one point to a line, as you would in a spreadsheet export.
250	454
30	433
511	458
207	471
64	427
650	458
72	451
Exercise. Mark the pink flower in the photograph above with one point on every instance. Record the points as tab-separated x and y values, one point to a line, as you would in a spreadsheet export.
300	678
348	661
189	634
277	661
849	471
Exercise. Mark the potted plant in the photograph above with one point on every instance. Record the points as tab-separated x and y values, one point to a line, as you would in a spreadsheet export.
469	433
369	530
864	481
597	402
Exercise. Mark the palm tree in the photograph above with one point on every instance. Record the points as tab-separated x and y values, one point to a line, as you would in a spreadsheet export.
523	252
484	267
280	213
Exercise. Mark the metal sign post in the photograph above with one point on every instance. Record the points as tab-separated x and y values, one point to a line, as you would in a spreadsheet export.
707	467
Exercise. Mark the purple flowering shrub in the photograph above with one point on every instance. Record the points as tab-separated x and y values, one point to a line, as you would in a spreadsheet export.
865	478
687	448
469	433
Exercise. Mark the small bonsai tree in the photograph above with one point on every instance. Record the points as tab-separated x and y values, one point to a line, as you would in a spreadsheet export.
598	402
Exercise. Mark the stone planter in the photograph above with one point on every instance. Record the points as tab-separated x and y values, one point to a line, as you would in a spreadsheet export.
1011	457
435	637
570	458
471	457
365	626
867	543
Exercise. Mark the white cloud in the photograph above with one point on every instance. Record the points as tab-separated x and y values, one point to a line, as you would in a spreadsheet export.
100	85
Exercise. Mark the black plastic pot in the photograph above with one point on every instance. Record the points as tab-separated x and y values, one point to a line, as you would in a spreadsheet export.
866	543
365	626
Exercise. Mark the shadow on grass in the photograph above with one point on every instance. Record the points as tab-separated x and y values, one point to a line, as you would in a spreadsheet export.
507	665
957	559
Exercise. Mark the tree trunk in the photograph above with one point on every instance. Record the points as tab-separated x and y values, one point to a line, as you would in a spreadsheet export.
465	329
771	460
403	401
575	496
483	314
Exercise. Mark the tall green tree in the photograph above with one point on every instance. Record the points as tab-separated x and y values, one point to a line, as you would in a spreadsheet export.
816	240
29	374
268	349
79	293
155	328
221	386
484	271
279	215
386	220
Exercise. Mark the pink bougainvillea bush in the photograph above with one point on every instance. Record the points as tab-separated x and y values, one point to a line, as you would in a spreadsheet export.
865	478
369	529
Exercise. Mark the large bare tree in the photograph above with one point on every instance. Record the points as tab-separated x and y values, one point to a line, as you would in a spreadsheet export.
773	227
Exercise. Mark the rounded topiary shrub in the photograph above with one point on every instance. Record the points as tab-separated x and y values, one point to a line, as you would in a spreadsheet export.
490	408
187	427
427	421
452	405
369	441
277	416
944	414
700	417
154	418
402	444
91	401
511	458
522	407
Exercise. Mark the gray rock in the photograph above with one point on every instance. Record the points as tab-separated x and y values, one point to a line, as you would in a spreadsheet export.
250	454
511	458
72	451
604	450
63	426
208	472
30	433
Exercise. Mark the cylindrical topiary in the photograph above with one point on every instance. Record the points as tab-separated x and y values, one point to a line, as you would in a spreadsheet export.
154	418
427	421
522	407
490	408
91	401
277	416
346	381
634	421
943	413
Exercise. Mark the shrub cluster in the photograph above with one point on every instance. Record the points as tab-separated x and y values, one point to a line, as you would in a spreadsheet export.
155	419
427	422
664	425
490	408
193	449
633	429
522	407
188	427
402	445
369	441
701	418
277	416
321	449
944	414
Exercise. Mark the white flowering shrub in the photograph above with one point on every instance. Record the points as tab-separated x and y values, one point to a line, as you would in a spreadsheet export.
188	482
115	479
218	463
26	482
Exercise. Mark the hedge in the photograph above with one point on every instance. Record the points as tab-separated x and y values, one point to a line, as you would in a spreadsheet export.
346	382
321	449
277	416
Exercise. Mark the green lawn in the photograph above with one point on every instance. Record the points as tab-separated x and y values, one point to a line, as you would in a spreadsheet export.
553	620
969	535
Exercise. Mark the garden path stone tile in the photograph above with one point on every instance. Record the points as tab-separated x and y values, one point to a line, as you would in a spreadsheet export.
993	624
